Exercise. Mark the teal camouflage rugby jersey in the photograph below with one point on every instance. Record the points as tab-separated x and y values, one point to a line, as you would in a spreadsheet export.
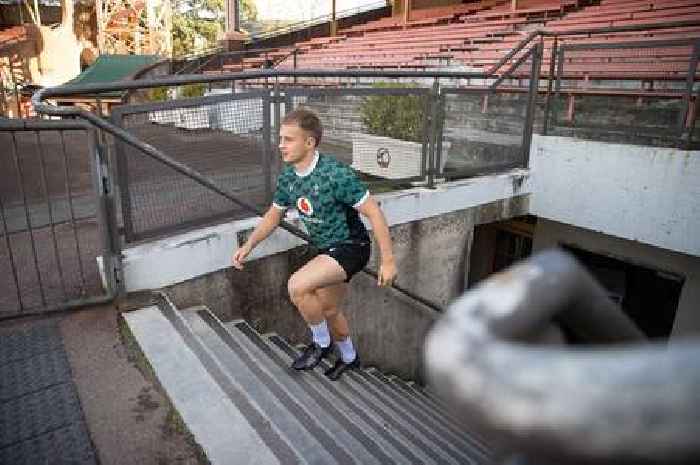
326	197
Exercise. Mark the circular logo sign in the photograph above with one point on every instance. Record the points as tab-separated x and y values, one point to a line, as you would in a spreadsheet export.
304	206
383	157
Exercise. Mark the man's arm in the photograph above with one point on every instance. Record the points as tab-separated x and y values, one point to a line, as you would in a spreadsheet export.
269	223
380	229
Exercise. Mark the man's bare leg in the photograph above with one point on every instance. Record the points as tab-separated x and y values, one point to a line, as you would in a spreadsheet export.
322	271
331	297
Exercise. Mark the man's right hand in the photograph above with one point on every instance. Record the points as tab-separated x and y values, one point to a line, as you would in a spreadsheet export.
239	256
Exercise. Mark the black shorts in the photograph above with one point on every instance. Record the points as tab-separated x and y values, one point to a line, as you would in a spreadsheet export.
352	257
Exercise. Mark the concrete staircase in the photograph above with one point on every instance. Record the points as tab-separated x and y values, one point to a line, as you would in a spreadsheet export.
243	403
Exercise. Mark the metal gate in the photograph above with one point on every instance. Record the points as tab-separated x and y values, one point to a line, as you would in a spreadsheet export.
56	246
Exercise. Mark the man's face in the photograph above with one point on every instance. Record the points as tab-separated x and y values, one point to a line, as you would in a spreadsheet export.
295	143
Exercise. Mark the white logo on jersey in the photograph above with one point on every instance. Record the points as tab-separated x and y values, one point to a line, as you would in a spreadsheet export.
304	206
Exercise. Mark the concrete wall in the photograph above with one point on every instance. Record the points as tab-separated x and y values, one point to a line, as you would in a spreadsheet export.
644	194
687	322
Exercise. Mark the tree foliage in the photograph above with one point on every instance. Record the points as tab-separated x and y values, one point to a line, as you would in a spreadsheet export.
203	19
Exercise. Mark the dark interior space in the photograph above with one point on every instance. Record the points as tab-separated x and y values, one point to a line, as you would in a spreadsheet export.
649	296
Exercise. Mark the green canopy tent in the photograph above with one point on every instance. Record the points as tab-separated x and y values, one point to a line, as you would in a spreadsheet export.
105	69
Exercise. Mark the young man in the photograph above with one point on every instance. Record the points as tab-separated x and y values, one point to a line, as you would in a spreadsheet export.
328	196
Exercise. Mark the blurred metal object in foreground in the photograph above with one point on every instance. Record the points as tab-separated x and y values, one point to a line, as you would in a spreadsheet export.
616	400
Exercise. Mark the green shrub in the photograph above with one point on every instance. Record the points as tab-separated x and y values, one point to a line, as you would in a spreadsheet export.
395	116
159	94
193	90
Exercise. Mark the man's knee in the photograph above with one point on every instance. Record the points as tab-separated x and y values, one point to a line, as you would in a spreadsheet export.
330	312
296	288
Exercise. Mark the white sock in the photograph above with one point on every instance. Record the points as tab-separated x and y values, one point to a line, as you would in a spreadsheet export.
347	350
321	336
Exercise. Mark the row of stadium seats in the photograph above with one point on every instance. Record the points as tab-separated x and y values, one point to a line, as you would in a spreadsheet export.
475	36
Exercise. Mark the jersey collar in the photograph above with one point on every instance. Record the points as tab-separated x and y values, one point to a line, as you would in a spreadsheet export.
311	167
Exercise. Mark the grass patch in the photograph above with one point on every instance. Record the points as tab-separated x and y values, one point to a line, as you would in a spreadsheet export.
133	351
174	424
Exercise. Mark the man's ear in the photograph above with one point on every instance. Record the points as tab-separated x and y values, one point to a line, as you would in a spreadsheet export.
311	142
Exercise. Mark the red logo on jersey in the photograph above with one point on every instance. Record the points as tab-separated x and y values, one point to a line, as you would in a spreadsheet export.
304	206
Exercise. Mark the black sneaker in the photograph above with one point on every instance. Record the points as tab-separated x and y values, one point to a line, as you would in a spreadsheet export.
311	356
340	366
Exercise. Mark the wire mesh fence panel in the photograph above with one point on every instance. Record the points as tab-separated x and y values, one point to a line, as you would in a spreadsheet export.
485	126
482	131
224	137
630	92
50	229
618	119
381	132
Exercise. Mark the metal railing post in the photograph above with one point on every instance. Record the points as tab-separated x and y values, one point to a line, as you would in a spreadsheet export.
121	173
440	123
531	103
550	81
432	107
560	69
267	148
15	90
3	97
684	129
107	214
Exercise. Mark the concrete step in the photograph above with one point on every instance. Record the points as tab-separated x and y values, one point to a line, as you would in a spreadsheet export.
427	431
347	397
426	395
350	388
387	427
214	413
416	432
403	430
418	395
283	412
435	418
345	426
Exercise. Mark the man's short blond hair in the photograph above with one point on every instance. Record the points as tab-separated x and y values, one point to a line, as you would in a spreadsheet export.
306	120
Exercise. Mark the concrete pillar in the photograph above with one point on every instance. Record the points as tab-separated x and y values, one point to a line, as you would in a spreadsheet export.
334	22
233	38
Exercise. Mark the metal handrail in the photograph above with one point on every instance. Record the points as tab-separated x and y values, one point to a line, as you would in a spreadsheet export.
620	400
